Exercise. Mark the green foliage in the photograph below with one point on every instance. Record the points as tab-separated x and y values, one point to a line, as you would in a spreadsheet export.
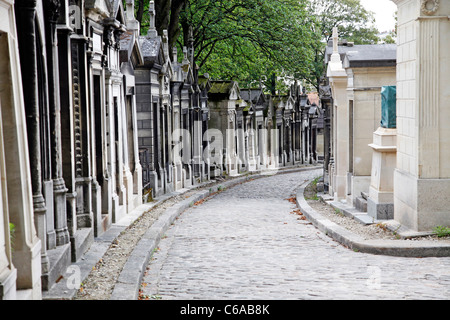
251	41
441	231
260	42
389	39
354	23
12	232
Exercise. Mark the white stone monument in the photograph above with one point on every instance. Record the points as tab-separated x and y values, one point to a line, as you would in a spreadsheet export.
422	175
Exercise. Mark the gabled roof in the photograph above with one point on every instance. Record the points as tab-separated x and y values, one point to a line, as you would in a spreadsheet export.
116	10
102	7
204	83
130	48
223	90
255	96
279	101
151	49
365	55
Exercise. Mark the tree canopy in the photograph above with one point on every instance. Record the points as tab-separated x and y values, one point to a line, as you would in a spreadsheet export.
354	23
260	42
251	41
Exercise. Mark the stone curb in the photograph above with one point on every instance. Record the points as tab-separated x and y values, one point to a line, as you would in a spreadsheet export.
400	248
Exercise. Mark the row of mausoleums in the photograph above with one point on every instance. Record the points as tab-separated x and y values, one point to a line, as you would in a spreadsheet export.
192	129
220	129
400	172
96	118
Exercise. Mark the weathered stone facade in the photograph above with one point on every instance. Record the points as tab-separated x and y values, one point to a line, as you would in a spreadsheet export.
399	170
356	74
97	118
74	100
422	174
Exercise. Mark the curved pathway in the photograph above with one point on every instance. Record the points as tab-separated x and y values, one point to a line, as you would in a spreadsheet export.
245	243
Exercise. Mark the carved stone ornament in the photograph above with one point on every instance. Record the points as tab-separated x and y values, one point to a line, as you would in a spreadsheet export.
429	7
231	114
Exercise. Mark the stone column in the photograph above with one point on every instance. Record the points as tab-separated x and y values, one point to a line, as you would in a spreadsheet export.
327	141
51	8
8	273
380	201
26	255
338	83
69	105
81	154
25	17
422	175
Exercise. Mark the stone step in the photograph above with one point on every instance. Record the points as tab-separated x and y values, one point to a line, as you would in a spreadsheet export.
361	204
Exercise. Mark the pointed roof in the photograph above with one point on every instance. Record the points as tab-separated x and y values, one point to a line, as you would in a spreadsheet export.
223	90
151	49
102	7
255	95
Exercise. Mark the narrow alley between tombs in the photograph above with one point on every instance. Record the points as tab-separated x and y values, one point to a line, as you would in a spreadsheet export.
246	243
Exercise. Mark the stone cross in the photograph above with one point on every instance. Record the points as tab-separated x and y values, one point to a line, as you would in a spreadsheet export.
152	17
132	23
335	40
130	10
175	54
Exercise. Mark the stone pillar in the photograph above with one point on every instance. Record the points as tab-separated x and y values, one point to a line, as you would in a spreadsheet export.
422	175
338	83
8	273
25	17
59	189
69	104
380	203
197	137
26	254
83	168
326	105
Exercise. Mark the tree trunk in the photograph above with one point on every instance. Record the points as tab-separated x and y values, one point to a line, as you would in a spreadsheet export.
174	25
140	11
273	84
163	15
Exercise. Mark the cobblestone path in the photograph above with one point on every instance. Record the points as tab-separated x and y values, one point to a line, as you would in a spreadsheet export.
244	243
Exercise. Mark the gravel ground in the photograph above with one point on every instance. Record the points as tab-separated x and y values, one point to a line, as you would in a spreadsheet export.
368	232
100	282
373	231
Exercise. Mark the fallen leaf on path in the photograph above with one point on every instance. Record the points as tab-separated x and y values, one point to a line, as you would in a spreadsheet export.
199	202
292	200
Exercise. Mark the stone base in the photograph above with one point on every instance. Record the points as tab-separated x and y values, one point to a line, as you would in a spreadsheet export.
187	176
214	172
59	260
81	242
356	185
421	204
97	208
380	211
361	204
8	285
